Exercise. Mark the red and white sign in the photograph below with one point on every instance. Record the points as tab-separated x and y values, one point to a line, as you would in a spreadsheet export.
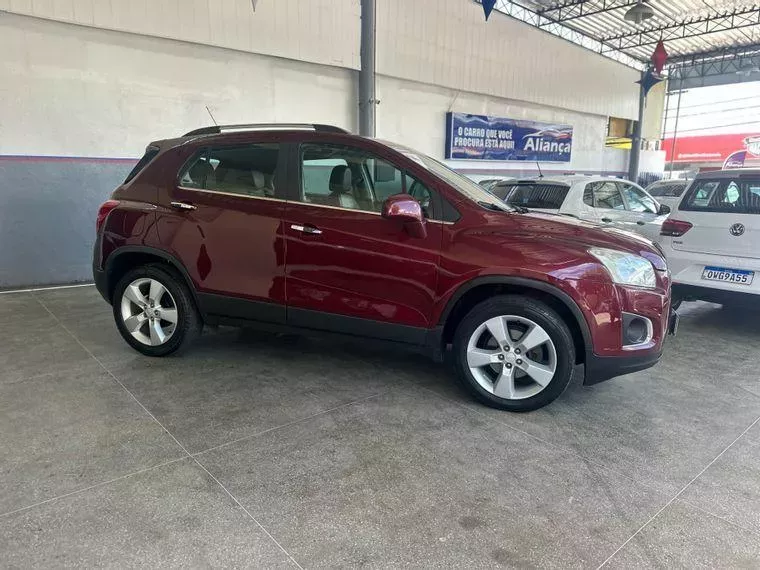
710	148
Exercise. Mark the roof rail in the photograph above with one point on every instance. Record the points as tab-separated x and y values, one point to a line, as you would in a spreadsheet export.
218	129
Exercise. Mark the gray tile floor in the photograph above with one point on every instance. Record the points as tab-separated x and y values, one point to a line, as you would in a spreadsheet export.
254	451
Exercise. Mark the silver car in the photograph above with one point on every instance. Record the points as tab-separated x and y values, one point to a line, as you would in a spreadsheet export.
604	200
667	191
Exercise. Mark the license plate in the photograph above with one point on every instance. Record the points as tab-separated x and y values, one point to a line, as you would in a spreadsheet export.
738	276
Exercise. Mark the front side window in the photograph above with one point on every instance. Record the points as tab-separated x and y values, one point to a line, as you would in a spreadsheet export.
245	170
354	179
638	201
607	195
738	195
347	177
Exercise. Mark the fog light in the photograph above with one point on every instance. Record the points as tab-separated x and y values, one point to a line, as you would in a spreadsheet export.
637	330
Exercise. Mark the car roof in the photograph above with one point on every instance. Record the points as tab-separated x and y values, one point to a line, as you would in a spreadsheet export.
674	181
568	179
729	173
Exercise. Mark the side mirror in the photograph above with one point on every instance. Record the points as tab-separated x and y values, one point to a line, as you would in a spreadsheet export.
408	211
664	209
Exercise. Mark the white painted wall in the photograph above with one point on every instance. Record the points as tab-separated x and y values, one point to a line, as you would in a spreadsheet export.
317	31
413	113
77	91
69	88
449	43
441	42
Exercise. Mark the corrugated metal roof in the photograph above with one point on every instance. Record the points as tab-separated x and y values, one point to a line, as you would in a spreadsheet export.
687	27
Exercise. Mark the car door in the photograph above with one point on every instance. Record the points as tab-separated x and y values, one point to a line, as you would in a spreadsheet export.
607	204
349	269
223	223
642	211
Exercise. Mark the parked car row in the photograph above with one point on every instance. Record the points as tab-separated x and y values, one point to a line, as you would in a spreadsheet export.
604	200
708	228
712	238
309	228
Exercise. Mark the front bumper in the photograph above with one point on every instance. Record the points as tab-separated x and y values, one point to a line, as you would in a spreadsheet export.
601	368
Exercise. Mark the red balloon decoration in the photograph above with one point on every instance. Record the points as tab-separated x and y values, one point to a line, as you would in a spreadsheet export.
659	57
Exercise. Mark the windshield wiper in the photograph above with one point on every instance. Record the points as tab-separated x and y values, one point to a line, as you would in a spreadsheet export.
490	206
510	207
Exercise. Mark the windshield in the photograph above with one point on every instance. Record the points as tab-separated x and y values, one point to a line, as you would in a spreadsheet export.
460	182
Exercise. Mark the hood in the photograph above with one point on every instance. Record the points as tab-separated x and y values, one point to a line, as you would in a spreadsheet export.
573	230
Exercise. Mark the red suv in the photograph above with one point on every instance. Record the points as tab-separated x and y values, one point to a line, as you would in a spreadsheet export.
310	228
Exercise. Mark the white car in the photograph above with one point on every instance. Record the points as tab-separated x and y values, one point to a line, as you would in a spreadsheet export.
712	239
608	201
667	192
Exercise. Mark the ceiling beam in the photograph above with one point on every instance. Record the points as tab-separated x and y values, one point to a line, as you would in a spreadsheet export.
715	67
741	18
574	9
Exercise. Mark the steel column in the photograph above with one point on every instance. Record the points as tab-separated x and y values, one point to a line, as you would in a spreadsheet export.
367	99
633	163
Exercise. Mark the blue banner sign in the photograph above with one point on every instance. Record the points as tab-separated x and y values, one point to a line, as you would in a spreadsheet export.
478	137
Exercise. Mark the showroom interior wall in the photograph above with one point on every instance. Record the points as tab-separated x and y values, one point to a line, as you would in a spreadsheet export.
86	84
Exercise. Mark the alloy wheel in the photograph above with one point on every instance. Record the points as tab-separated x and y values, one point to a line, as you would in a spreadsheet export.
148	311
511	357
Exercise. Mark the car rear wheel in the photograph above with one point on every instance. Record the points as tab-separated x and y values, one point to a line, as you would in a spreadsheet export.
154	311
514	353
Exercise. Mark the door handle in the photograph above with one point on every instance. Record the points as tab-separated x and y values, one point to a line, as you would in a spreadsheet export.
183	206
640	223
606	220
307	229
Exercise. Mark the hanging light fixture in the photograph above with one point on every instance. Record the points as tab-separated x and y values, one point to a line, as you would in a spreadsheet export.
639	13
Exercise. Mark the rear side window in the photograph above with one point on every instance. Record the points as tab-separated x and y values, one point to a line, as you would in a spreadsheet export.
245	170
733	195
548	196
607	195
150	154
638	201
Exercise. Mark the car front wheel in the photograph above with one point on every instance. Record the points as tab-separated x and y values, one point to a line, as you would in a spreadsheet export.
514	353
154	311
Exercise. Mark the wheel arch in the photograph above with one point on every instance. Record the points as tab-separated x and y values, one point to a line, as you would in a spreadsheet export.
481	288
125	258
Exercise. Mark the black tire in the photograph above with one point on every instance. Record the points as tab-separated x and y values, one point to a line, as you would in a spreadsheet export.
675	302
539	313
189	323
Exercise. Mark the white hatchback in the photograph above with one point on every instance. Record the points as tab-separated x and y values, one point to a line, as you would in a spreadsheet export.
608	201
712	238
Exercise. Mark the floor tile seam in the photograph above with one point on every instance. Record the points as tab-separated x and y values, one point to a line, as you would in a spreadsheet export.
203	467
113	377
182	447
571	451
50	288
717	516
677	495
288	424
246	511
94	486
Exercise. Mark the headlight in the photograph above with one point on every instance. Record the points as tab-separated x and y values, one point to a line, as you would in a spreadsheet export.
626	268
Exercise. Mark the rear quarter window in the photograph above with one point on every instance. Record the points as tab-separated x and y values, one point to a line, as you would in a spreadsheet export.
150	154
548	196
732	195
